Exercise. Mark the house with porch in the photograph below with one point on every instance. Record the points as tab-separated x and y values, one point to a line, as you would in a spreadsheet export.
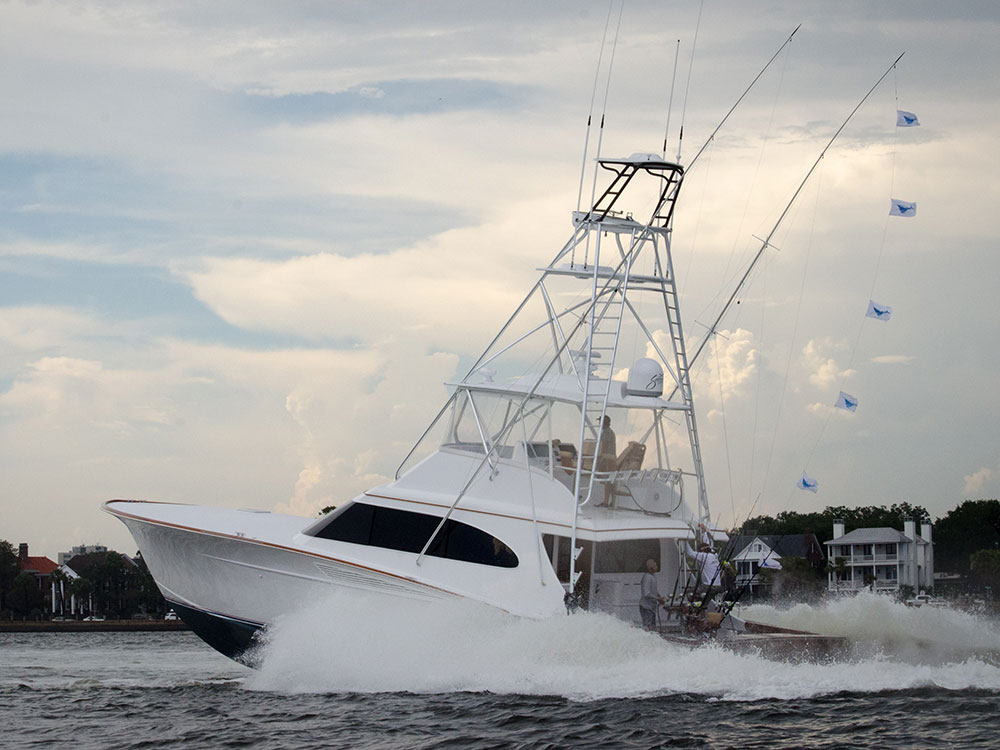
880	559
751	552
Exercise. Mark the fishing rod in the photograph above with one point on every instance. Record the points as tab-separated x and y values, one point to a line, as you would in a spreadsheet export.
766	242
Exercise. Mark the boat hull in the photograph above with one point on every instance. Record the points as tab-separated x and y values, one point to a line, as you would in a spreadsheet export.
233	638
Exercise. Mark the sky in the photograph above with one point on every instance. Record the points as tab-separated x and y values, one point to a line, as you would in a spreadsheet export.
243	244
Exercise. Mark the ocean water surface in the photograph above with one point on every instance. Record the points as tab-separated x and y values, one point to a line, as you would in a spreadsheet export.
357	673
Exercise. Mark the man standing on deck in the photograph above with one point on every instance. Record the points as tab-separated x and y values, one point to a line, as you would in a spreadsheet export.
608	455
651	598
709	567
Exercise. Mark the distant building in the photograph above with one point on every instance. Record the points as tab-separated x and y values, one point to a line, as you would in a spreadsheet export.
83	549
751	551
39	567
881	559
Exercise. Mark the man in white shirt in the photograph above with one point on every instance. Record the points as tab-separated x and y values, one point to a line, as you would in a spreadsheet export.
651	598
708	565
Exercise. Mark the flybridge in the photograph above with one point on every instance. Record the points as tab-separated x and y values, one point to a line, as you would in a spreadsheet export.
572	386
625	170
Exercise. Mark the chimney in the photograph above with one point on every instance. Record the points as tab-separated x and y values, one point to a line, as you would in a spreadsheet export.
838	528
925	532
910	528
22	551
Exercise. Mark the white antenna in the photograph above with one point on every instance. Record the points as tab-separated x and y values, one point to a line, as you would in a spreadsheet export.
604	106
670	101
590	113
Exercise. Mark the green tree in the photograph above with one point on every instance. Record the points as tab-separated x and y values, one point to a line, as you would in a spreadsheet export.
10	567
24	595
143	593
821	523
973	525
985	568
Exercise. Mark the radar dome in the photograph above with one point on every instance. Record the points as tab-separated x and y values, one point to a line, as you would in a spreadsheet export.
645	378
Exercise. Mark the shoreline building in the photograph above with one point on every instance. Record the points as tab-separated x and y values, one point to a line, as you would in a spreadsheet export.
82	549
751	552
880	559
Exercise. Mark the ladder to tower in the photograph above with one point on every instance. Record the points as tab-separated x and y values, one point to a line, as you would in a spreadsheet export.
670	301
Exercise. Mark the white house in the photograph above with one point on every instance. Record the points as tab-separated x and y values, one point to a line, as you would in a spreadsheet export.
751	553
881	558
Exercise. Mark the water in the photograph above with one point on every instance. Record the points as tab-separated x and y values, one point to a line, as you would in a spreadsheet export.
359	674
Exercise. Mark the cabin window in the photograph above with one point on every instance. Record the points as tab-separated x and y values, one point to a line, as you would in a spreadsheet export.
626	556
406	531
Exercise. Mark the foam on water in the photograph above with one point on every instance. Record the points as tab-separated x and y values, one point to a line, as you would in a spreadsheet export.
352	643
880	622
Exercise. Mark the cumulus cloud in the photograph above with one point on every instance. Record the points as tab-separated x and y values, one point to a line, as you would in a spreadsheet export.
975	482
729	364
822	369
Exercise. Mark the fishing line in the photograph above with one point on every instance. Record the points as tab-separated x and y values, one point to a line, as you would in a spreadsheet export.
760	370
878	260
756	171
670	100
725	431
795	329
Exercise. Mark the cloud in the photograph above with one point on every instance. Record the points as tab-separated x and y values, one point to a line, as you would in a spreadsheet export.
823	371
893	359
975	482
828	410
728	366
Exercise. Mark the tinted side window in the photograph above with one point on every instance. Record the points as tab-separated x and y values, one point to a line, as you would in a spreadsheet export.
626	556
354	524
459	541
401	529
406	531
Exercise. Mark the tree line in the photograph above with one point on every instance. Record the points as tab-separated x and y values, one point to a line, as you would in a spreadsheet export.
109	584
966	539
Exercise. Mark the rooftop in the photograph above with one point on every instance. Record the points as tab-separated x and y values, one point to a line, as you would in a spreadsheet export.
877	535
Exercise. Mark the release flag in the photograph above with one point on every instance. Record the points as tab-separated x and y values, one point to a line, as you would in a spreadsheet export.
807	483
846	402
902	208
906	119
877	311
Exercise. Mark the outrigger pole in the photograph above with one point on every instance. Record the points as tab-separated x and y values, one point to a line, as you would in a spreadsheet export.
737	102
767	241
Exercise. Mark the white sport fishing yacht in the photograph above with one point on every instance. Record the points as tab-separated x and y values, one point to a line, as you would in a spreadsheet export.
566	458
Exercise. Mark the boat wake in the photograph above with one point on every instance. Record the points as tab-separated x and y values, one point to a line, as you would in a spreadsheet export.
358	644
880	625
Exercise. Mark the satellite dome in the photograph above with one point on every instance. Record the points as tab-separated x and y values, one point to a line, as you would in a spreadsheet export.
645	378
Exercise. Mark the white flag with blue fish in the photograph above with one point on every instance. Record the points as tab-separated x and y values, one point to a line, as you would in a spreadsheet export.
902	208
877	311
807	483
847	402
906	119
769	563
